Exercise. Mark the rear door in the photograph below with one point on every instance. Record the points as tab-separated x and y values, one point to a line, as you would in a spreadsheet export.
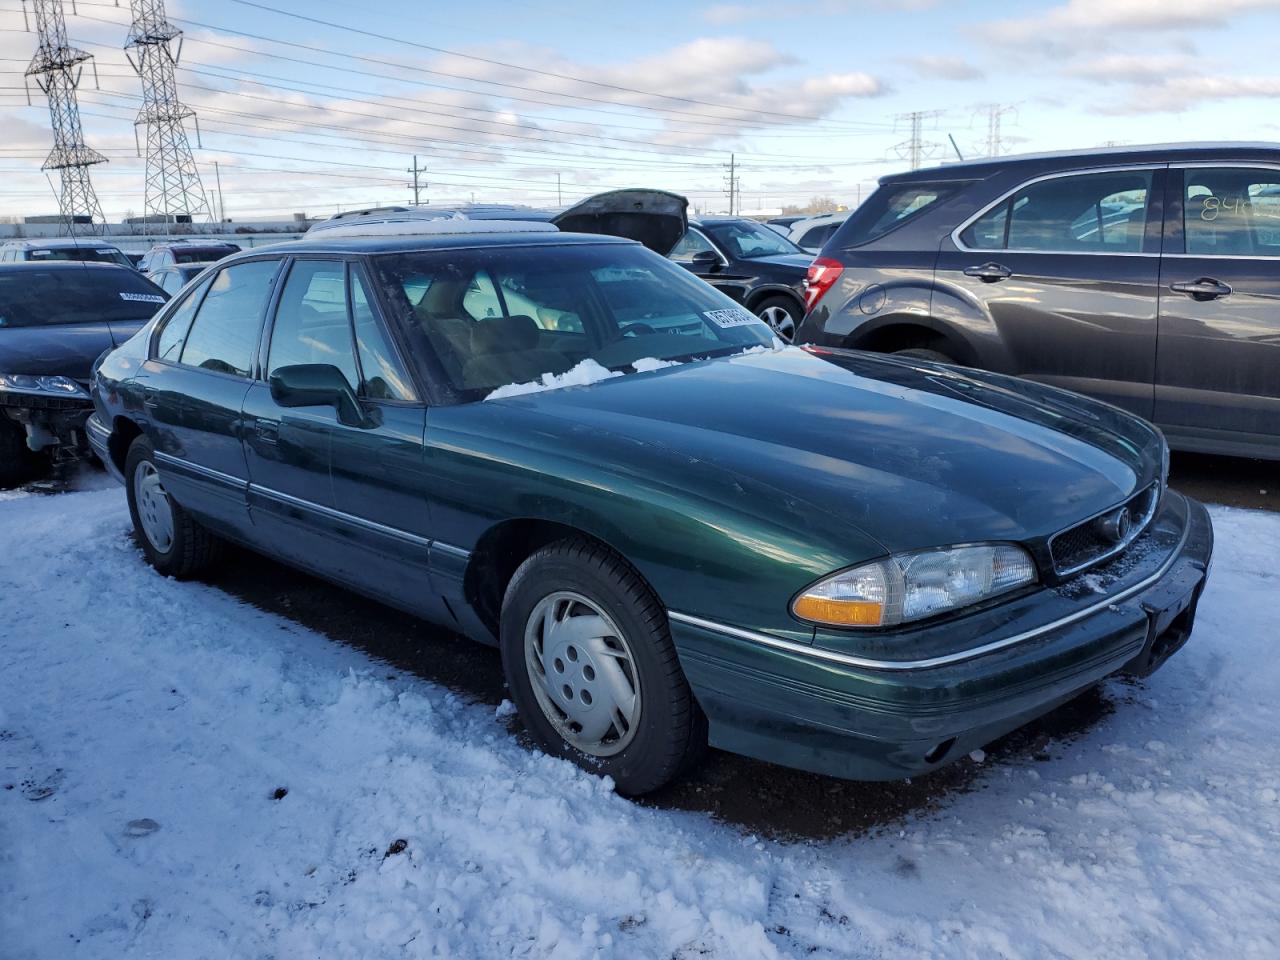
1067	268
1218	368
202	362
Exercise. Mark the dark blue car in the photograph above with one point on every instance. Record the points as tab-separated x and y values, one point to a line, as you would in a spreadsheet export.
55	319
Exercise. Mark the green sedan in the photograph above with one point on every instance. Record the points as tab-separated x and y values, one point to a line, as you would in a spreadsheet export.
678	531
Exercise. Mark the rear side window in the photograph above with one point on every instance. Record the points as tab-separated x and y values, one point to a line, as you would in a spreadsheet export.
1232	211
224	336
1087	213
892	205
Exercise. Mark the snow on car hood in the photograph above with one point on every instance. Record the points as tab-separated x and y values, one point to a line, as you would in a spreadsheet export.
913	455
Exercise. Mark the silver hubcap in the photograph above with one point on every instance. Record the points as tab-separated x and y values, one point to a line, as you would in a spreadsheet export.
780	320
583	674
155	512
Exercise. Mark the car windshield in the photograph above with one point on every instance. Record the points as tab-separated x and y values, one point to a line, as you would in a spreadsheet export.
747	240
33	298
85	254
509	315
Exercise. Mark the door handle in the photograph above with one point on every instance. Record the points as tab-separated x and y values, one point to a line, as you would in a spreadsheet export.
267	430
989	272
1206	288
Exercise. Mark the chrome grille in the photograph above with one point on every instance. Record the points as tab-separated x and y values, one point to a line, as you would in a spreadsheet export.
1104	535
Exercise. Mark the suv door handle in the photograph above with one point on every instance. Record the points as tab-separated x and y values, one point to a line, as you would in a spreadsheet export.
989	272
267	430
1206	288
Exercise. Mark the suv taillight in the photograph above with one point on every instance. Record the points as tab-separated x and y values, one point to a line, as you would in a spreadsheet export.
823	273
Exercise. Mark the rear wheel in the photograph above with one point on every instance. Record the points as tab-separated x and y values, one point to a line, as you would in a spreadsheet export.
782	314
592	669
172	540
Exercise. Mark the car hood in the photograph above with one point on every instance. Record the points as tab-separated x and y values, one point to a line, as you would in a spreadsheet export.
911	454
65	349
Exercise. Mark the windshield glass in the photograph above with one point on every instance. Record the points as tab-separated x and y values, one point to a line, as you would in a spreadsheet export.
747	240
508	315
83	254
33	298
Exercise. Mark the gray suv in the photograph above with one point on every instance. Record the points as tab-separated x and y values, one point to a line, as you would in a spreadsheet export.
1148	277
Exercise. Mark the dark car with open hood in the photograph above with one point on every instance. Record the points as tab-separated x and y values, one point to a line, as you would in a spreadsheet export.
556	443
56	318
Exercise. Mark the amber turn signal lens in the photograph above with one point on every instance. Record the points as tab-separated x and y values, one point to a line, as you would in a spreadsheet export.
853	613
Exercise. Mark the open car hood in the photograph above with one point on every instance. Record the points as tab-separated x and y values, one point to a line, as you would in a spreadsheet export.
656	218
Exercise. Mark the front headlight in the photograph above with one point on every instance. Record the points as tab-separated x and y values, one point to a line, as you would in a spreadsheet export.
57	386
912	586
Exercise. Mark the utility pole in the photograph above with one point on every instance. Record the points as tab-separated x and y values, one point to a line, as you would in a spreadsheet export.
56	68
915	150
418	185
222	207
173	187
733	184
995	112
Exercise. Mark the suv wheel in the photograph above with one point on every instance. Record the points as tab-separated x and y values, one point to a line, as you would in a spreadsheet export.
782	314
173	542
591	667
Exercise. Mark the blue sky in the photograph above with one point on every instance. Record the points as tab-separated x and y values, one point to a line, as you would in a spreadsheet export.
513	94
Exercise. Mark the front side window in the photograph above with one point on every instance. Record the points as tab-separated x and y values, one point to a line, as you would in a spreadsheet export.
1232	212
383	378
559	305
311	320
224	335
1086	213
748	240
691	243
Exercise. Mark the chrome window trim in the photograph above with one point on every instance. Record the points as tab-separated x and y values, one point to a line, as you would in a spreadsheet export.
1083	172
869	663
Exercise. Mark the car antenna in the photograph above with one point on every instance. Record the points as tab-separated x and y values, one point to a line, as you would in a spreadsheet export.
955	148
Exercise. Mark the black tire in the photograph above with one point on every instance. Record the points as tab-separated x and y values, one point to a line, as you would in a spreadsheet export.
923	353
785	329
671	734
18	464
193	549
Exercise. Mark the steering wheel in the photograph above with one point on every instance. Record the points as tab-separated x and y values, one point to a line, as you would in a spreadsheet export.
637	327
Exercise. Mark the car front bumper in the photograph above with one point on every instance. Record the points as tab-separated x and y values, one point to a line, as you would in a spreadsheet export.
949	688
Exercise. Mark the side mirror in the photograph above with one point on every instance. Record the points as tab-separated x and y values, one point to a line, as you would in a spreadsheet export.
317	385
707	259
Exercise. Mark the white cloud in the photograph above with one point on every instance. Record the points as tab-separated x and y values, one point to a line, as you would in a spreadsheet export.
1069	23
946	67
1182	93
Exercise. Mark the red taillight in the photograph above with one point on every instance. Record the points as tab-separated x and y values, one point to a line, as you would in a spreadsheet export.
823	273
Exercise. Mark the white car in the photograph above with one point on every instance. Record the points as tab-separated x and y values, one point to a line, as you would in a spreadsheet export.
810	235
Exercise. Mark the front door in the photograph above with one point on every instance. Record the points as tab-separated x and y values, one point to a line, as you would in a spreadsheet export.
194	386
1218	373
1066	267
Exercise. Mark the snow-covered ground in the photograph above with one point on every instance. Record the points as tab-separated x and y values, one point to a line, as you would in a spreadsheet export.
149	729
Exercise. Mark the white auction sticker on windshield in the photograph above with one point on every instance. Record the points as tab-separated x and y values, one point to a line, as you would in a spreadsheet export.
732	317
142	297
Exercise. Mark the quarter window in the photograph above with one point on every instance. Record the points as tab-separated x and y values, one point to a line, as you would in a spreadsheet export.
1232	212
311	321
1089	213
224	335
692	242
174	332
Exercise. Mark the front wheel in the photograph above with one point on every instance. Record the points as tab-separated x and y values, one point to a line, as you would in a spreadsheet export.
782	314
590	663
172	540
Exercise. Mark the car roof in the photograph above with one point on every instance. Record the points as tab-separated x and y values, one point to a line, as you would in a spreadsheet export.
52	242
400	243
64	265
1129	154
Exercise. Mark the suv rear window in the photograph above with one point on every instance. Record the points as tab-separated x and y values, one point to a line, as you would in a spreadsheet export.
892	205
